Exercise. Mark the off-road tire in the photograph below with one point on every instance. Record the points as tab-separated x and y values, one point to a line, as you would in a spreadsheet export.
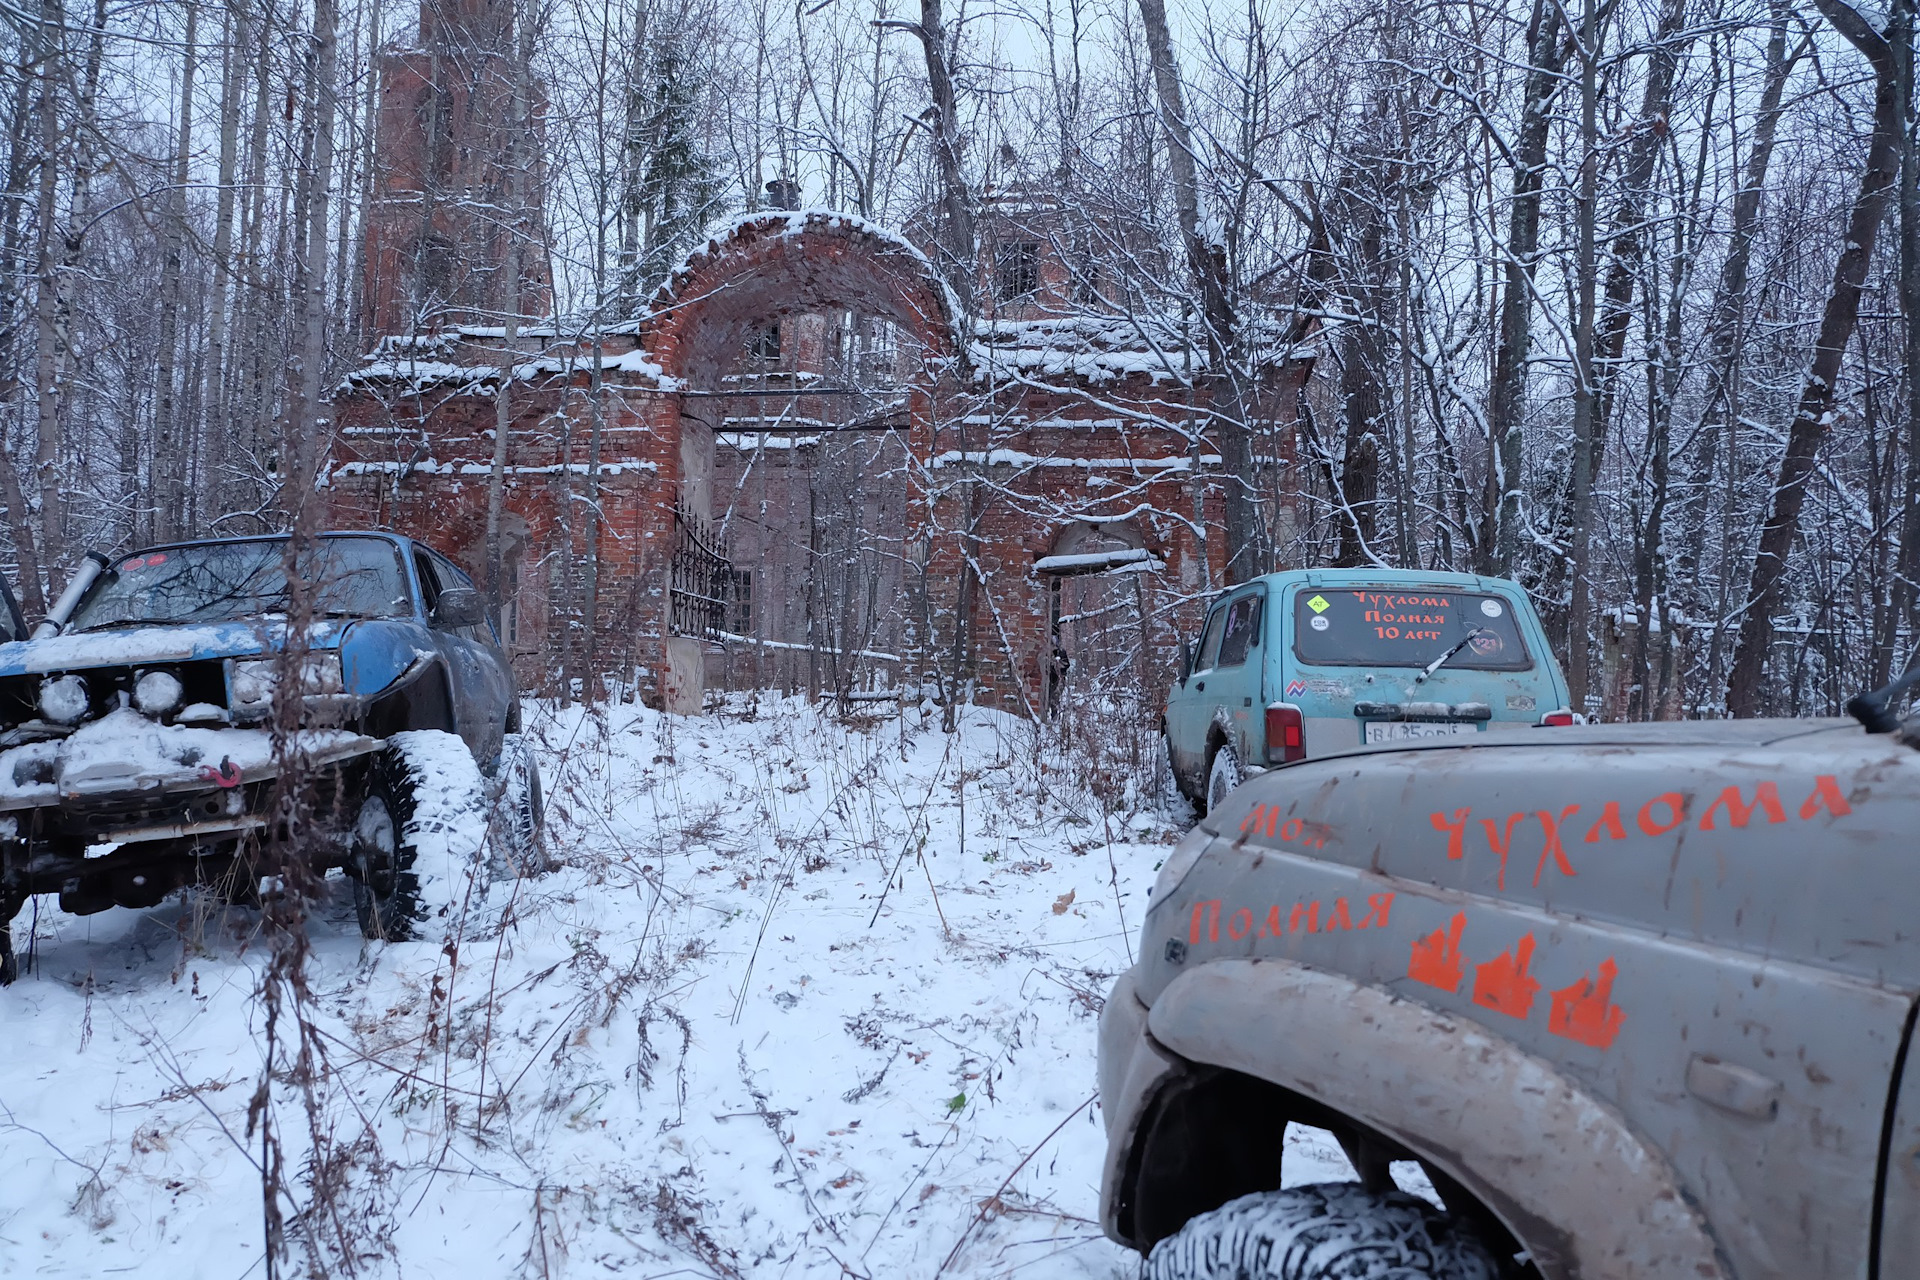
418	833
1183	804
386	888
1331	1231
1223	775
519	809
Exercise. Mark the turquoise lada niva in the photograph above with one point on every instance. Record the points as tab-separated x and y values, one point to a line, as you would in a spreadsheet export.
1301	664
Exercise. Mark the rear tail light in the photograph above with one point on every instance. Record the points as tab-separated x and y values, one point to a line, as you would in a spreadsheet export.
1286	733
1557	719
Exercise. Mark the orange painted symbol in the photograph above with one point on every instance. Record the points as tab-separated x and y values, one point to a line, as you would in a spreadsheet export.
1503	983
1581	1012
1436	957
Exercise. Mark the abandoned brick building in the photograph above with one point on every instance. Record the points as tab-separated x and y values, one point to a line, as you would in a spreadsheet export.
796	466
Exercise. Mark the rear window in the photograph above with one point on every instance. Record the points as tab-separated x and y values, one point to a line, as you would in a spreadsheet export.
1365	627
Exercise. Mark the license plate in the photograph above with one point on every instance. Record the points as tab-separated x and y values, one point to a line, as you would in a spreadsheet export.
1401	731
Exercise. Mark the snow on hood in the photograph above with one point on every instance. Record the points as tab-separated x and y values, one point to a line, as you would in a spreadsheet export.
125	647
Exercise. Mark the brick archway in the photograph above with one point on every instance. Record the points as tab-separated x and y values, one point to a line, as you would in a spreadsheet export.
776	264
763	268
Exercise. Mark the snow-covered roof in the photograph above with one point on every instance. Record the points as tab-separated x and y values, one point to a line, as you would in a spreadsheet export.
1097	348
411	375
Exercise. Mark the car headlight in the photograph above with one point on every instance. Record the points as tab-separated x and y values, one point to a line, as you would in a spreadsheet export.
1179	862
251	682
63	699
157	692
320	673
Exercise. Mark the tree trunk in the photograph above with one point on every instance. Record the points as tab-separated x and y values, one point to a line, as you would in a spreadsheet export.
1625	251
1585	388
517	159
306	411
1815	413
219	436
1357	496
258	295
1506	401
53	35
1905	608
1247	554
172	444
26	539
1725	330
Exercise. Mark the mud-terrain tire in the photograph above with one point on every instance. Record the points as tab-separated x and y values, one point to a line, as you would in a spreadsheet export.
1223	775
1176	790
417	833
1331	1231
520	809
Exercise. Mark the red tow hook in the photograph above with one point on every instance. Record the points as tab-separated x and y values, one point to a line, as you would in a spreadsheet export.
226	776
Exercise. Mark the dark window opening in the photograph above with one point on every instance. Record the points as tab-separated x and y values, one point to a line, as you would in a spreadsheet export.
766	342
741	605
1017	269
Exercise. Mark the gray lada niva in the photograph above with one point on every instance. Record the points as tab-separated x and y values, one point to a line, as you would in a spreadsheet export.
1636	1001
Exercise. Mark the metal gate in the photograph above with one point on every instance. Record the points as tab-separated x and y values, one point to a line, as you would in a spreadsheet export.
701	578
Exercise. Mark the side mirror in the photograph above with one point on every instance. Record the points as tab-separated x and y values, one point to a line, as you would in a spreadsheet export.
459	607
1186	660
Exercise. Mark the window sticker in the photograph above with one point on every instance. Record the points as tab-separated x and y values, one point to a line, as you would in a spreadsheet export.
1409	628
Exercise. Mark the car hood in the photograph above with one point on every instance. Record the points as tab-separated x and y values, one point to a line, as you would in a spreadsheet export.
1790	838
134	646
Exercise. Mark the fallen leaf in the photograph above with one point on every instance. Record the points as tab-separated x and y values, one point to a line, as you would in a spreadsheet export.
1061	903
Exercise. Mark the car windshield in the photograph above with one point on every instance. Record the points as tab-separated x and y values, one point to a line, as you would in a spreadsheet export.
224	581
1406	627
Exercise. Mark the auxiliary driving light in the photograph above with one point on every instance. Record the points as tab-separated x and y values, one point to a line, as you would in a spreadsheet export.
157	692
63	699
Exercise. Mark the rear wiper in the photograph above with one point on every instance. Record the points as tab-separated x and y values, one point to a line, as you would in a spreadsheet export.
1442	660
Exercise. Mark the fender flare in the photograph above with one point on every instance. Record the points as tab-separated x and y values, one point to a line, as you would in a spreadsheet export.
401	699
1566	1173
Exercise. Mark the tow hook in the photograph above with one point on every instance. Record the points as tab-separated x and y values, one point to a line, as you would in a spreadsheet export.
226	776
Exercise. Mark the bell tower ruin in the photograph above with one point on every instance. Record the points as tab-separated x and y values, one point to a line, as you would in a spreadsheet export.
458	176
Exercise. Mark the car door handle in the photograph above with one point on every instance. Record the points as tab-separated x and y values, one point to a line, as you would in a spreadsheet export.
1733	1088
1200	686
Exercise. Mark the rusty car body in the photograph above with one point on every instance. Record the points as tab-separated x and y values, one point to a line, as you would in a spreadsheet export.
138	753
1640	1000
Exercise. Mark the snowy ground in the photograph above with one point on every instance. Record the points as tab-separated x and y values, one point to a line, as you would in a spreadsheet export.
806	998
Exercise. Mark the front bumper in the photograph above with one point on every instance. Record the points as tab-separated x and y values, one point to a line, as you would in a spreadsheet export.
126	780
1132	1068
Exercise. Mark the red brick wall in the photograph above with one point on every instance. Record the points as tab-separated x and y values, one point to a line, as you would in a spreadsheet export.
698	327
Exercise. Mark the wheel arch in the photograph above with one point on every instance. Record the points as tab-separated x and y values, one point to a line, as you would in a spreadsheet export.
421	699
1558	1170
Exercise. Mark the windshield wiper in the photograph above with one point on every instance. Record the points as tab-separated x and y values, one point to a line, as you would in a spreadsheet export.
1874	710
1443	659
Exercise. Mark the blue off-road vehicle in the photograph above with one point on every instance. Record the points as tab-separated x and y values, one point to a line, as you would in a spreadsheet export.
147	725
